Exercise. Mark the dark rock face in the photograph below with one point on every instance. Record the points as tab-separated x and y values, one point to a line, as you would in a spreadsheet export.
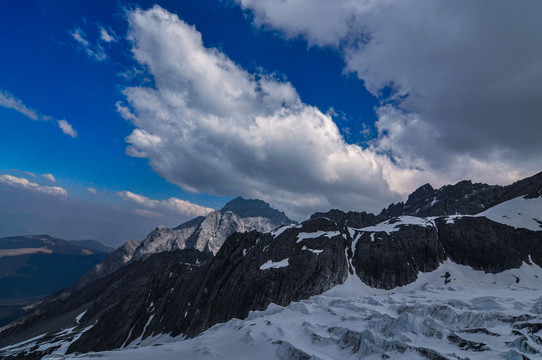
190	223
386	260
251	208
489	246
351	218
125	300
111	263
462	198
530	187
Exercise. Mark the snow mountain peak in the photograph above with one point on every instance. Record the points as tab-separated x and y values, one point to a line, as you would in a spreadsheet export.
203	233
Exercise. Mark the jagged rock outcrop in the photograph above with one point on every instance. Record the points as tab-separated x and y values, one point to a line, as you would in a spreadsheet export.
204	233
387	259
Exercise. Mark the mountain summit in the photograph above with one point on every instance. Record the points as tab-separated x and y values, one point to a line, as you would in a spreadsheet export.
252	207
204	233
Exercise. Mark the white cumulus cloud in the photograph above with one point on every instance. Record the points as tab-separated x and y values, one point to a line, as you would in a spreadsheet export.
24	184
210	126
91	191
172	205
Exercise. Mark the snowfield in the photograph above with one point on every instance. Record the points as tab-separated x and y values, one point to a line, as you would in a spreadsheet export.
518	212
474	315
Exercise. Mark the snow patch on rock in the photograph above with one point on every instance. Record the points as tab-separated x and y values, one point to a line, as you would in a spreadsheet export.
274	265
395	224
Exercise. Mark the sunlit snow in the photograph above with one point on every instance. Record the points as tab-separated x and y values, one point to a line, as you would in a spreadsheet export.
518	212
395	224
475	316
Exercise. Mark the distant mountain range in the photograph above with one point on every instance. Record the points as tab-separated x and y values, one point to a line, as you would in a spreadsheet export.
36	266
438	249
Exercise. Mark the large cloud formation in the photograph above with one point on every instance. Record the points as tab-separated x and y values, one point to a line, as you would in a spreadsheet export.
461	106
210	126
465	77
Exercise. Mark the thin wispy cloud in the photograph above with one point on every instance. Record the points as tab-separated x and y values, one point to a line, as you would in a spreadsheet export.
49	177
147	213
91	191
67	128
29	173
22	183
96	50
79	36
9	101
171	205
107	35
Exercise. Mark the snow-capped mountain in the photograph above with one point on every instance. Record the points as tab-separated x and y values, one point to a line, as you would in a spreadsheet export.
204	233
445	285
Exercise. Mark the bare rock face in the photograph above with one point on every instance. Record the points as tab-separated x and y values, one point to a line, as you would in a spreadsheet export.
385	261
202	233
113	262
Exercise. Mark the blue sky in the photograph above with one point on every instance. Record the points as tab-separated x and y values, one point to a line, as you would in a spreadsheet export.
140	115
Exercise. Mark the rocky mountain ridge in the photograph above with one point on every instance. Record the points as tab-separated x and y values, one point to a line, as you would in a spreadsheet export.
294	262
204	233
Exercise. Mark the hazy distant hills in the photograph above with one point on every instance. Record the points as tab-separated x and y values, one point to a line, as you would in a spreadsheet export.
33	267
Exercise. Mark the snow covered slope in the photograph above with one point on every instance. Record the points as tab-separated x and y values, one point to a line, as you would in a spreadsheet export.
520	212
473	315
